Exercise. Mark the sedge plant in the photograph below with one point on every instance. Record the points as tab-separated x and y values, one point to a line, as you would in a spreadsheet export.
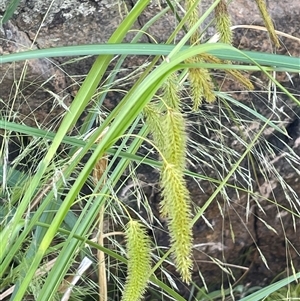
39	222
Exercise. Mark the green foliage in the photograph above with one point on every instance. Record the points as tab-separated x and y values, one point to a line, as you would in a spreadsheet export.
11	8
277	287
46	217
291	292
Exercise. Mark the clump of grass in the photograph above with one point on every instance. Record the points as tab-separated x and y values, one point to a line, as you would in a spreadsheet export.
51	216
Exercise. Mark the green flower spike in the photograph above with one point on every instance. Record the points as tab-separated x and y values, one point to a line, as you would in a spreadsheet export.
139	262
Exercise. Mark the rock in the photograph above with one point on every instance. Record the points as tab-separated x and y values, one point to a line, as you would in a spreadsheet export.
36	89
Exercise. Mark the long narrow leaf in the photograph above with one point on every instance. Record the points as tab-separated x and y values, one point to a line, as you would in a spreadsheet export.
11	8
227	53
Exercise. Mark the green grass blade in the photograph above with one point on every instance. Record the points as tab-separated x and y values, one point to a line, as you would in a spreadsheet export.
264	292
11	8
224	52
